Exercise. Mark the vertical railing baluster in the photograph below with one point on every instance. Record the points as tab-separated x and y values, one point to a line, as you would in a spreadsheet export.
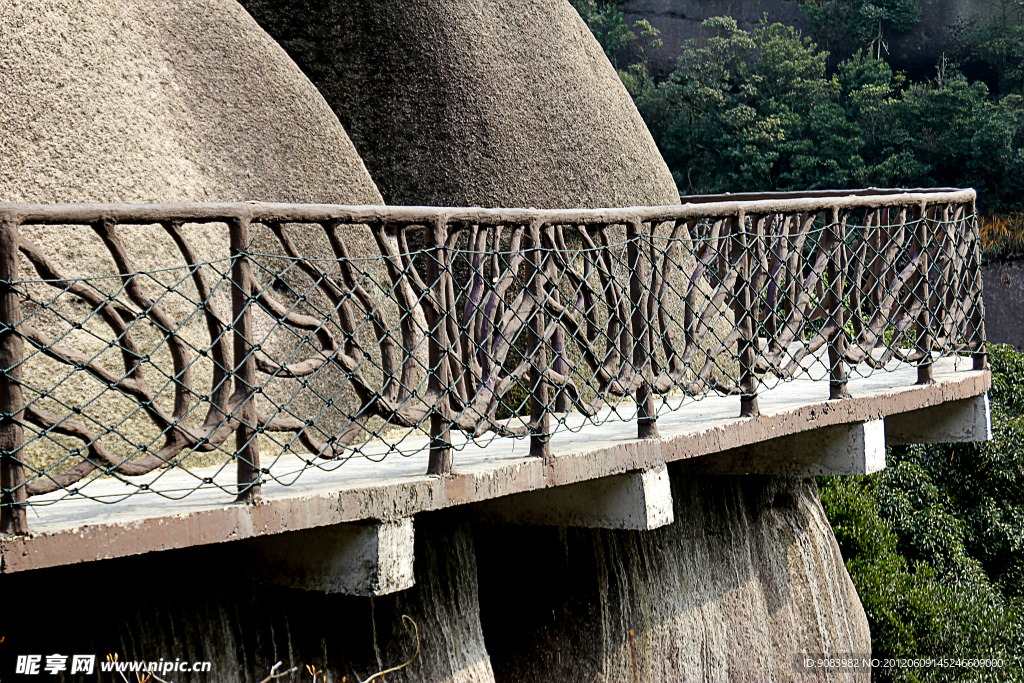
438	381
835	243
247	446
923	294
562	402
744	316
640	322
977	320
13	517
540	419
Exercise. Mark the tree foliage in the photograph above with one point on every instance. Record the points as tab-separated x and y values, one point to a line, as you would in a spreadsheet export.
758	110
865	24
1000	43
935	542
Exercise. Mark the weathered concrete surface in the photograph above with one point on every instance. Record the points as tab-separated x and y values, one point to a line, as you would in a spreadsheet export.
856	448
475	104
635	500
196	605
1004	303
969	419
369	558
747	577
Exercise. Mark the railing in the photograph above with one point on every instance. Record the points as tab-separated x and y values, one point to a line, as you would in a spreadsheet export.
367	330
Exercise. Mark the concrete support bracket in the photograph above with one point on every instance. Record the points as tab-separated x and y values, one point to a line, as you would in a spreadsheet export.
634	500
856	448
969	419
364	558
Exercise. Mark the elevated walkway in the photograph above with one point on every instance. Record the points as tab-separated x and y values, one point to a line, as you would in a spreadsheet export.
603	465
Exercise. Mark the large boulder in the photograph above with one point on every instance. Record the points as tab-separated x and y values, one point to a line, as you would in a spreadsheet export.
475	103
153	102
122	101
141	102
514	104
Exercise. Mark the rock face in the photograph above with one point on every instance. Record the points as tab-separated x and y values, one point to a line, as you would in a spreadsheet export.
475	103
1004	302
195	605
128	102
122	101
747	577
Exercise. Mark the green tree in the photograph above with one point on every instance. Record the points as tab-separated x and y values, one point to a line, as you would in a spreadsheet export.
752	111
1000	43
935	542
625	45
865	23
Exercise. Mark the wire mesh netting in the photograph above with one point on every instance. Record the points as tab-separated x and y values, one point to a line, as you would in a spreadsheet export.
300	341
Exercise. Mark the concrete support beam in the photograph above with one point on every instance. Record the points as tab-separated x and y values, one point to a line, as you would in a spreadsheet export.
969	419
635	500
364	558
857	448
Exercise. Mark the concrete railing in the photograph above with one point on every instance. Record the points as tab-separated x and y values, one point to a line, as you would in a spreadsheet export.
322	333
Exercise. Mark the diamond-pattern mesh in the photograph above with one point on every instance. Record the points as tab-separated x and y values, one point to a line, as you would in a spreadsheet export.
329	339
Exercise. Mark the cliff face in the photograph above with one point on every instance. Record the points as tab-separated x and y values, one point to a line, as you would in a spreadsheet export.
197	605
748	577
945	27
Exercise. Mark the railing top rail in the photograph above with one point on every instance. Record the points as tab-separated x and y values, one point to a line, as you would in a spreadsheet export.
272	212
811	194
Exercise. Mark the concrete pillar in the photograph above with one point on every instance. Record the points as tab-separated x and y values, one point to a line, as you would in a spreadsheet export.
857	448
968	419
635	500
372	558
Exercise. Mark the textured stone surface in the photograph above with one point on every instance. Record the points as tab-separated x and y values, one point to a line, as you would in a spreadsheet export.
748	576
488	103
194	607
143	102
1004	302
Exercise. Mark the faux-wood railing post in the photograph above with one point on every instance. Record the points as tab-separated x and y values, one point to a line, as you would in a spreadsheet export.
835	243
540	419
438	381
745	317
247	446
13	517
923	294
977	323
647	416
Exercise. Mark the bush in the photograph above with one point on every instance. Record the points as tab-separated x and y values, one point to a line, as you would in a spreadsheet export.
935	542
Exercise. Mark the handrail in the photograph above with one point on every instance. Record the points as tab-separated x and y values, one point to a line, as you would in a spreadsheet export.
462	324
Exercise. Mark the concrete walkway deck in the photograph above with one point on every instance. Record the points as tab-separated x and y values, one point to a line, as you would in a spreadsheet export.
77	529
